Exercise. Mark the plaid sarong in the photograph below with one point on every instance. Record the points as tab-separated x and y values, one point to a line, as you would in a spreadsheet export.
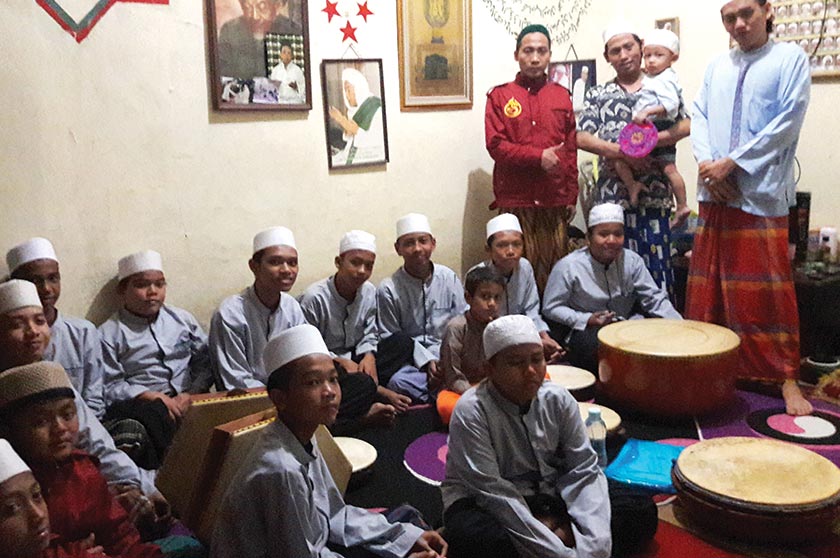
740	277
545	231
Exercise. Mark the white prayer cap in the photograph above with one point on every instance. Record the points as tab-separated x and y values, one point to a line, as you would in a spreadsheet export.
16	294
10	462
509	331
503	222
606	213
147	260
617	28
663	38
33	249
275	236
357	240
292	344
413	223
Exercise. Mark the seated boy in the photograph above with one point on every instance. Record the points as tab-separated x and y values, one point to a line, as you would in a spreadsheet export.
74	342
155	355
343	308
283	502
25	522
24	336
243	324
417	301
598	285
505	246
462	351
521	476
38	414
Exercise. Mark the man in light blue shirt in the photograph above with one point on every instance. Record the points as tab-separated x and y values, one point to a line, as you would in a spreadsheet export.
745	130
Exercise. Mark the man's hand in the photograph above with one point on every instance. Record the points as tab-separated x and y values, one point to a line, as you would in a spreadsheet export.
368	366
349	126
429	545
553	350
400	402
434	375
603	318
176	409
550	161
347	364
716	171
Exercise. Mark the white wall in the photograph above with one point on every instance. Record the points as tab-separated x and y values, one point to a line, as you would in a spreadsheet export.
110	146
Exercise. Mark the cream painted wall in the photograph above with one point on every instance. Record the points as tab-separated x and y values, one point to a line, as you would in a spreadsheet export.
110	146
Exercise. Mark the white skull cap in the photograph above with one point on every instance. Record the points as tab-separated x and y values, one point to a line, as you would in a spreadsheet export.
617	28
357	240
10	462
292	344
275	236
606	213
33	249
16	294
413	223
509	331
147	260
663	38
503	222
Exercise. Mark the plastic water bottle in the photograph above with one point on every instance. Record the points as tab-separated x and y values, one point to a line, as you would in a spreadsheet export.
597	431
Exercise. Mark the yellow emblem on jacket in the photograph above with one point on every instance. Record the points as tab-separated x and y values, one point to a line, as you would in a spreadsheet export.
513	108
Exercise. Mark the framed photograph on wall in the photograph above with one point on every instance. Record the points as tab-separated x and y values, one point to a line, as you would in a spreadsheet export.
435	54
259	54
354	112
670	23
575	75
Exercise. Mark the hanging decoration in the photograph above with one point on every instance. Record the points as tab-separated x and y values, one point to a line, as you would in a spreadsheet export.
561	17
78	17
350	16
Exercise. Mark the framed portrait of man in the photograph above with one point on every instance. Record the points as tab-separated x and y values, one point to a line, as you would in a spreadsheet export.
259	54
354	112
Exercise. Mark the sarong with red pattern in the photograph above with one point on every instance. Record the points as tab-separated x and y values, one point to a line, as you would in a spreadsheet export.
740	277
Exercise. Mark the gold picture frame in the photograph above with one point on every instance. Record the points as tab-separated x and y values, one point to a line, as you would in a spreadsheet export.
435	54
669	23
815	27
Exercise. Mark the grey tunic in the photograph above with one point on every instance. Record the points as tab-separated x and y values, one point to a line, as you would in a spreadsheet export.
74	344
420	309
284	503
168	355
579	286
348	328
240	330
521	295
499	455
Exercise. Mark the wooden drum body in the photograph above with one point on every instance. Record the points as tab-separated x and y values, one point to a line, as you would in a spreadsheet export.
760	490
668	368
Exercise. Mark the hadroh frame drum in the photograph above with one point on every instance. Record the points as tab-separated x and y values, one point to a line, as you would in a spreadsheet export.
668	368
579	382
758	490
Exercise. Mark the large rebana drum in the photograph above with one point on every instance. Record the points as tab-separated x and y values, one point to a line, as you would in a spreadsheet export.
758	489
668	367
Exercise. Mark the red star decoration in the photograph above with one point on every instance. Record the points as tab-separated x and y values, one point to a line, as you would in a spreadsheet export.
331	10
364	11
349	32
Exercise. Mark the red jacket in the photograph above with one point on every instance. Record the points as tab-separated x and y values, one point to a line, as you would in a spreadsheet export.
521	119
80	503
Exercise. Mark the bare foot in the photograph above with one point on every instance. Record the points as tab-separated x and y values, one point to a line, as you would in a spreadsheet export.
380	414
679	217
634	190
795	402
400	402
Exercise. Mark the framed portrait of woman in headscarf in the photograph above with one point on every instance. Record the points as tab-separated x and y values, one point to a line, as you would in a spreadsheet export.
435	52
259	54
354	112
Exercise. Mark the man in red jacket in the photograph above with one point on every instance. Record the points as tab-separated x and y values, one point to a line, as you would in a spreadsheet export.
530	133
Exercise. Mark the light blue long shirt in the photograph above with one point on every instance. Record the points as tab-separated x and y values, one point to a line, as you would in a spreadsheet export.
168	354
74	344
499	454
521	295
776	92
240	330
347	327
420	309
579	285
283	503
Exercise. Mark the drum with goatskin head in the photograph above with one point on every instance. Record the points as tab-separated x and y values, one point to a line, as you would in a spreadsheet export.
579	382
668	368
758	489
